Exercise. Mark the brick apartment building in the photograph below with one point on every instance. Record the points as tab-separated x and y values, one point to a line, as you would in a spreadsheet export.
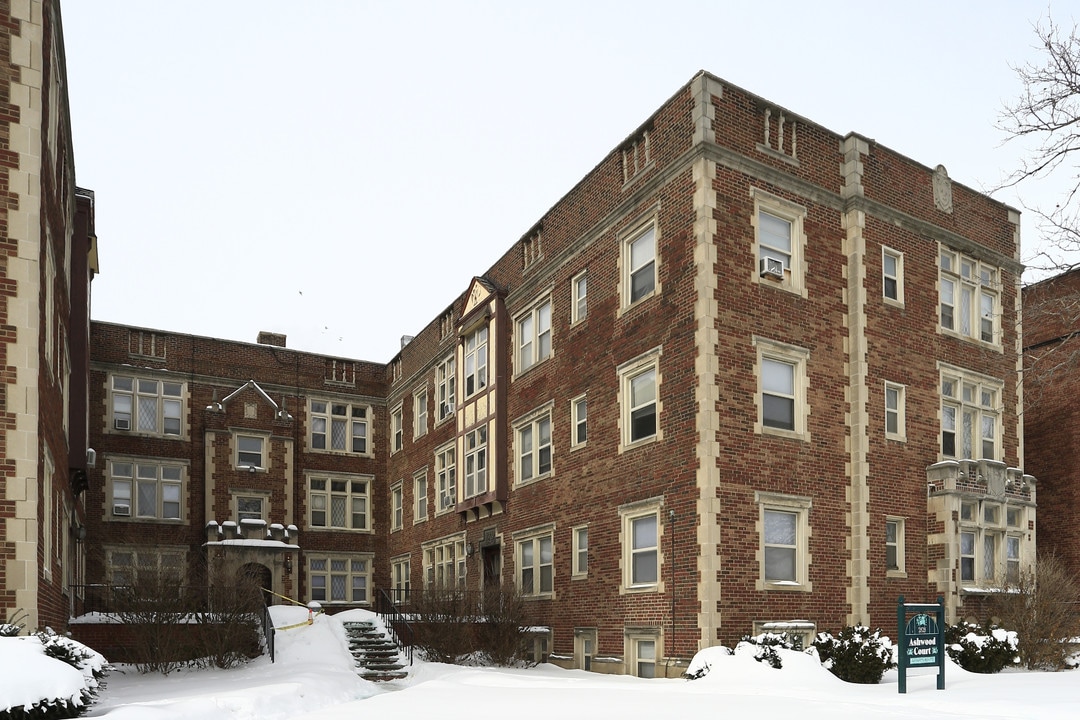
49	258
746	372
1051	386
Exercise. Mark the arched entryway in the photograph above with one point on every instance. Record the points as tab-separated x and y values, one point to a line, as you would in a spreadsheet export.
260	576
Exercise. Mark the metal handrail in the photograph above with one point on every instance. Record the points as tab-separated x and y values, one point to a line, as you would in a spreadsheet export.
397	624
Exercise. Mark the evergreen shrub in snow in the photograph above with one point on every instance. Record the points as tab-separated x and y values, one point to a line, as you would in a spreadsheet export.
980	649
856	654
767	643
90	664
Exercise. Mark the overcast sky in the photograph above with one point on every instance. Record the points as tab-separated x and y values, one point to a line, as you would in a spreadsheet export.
339	170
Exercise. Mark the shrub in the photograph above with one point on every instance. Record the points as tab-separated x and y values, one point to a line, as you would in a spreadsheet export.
980	649
63	649
766	645
856	655
453	625
1041	605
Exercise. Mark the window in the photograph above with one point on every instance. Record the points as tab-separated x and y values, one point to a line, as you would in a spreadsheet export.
970	300
250	507
339	503
476	462
444	387
641	545
892	275
446	478
580	542
782	406
894	547
156	488
396	441
420	496
536	569
784	524
534	448
639	261
894	411
638	399
397	501
127	565
779	241
579	304
642	645
400	579
1012	559
476	360
339	578
420	413
249	451
534	336
579	420
970	415
584	647
444	563
990	554
153	407
339	426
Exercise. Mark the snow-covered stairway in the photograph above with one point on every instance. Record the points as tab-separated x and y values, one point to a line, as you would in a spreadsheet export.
375	653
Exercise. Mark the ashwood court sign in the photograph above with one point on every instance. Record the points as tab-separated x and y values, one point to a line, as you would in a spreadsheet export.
921	630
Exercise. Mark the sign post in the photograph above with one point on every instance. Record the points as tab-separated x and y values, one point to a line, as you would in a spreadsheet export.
922	638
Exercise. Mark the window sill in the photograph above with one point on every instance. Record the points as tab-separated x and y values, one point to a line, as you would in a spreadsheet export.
896	438
640	589
533	480
639	443
340	453
995	346
525	371
785	586
898	304
897	574
579	576
354	531
803	436
539	596
579	446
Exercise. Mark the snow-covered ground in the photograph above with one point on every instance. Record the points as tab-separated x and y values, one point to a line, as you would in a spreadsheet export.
313	679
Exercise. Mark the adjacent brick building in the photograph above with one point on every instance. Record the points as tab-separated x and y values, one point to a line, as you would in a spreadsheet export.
49	258
747	373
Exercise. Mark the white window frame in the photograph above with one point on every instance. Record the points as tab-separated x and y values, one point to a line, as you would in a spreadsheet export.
475	351
533	458
969	293
978	400
800	507
986	522
168	396
534	561
420	496
352	492
579	297
645	237
401	578
533	336
475	477
420	412
446	478
124	489
124	563
895	399
325	419
350	567
643	652
397	429
579	421
584	648
444	562
888	255
245	452
797	358
445	389
579	546
630	371
241	506
899	526
397	506
630	515
794	275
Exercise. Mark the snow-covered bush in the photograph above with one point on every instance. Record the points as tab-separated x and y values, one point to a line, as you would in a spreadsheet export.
981	649
766	644
856	654
73	672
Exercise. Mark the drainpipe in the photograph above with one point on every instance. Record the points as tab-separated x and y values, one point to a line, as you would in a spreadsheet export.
671	518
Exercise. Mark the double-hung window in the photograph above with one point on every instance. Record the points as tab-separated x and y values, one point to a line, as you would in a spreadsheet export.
445	478
580	542
420	496
339	578
894	411
779	241
784	523
153	407
579	303
476	455
970	415
476	361
444	563
970	297
534	336
641	533
990	549
639	404
396	429
250	451
536	567
894	547
892	275
420	413
156	489
534	448
339	426
397	507
339	503
445	387
782	406
579	421
639	262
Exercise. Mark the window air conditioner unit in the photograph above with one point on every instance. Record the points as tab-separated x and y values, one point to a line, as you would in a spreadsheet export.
122	423
771	267
121	510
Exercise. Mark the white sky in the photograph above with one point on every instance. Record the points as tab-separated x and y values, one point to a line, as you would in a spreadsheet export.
314	679
338	170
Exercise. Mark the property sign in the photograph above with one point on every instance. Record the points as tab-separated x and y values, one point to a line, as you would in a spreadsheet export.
921	628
